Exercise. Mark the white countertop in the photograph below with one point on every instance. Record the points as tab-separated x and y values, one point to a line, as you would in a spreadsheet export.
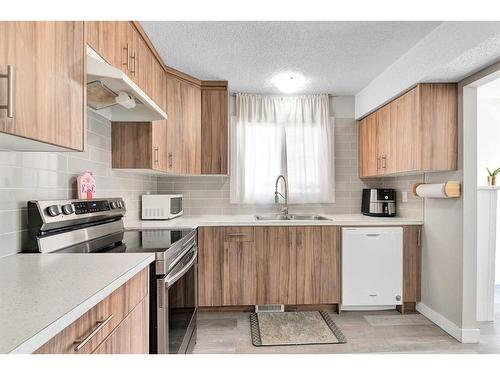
183	222
41	294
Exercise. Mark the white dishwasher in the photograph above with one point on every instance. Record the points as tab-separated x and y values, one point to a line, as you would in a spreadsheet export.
372	268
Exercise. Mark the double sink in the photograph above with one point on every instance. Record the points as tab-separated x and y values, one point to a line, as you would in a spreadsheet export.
278	217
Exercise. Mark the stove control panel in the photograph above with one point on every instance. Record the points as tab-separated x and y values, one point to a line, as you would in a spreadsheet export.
87	207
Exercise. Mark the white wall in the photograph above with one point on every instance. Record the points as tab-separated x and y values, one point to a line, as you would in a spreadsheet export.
488	136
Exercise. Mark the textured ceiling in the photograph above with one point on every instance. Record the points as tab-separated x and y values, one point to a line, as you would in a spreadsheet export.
338	58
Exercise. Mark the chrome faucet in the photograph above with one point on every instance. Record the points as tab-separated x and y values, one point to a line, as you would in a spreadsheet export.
277	195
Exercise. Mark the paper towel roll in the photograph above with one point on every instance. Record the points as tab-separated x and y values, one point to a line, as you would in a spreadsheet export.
431	190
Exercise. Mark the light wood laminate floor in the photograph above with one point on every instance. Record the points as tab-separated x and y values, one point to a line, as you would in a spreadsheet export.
366	332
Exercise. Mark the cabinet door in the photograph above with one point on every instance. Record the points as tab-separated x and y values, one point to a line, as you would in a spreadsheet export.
184	126
49	81
132	334
318	265
411	263
210	257
384	140
123	46
239	273
276	265
158	89
368	147
159	144
405	133
214	131
141	68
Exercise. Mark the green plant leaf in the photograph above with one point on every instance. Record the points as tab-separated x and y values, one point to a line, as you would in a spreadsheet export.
489	172
496	171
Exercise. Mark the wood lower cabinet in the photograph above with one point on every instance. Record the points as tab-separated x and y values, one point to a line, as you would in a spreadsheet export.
118	324
290	265
416	132
239	267
318	264
130	336
276	265
210	265
48	85
412	266
268	265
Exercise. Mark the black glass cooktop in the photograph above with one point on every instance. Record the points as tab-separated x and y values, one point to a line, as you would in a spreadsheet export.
131	241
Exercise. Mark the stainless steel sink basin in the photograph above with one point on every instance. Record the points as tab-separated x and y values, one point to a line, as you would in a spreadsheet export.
290	217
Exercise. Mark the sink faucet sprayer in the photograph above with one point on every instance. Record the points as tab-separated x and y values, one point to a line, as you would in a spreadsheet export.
277	194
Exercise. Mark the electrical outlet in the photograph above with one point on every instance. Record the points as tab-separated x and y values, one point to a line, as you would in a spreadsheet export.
404	196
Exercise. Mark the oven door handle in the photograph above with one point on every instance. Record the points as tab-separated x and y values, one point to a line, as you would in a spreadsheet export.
170	280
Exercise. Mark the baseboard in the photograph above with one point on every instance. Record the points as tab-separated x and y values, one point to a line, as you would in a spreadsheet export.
463	335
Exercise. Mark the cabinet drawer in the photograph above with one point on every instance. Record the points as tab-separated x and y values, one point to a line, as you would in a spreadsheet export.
88	331
238	234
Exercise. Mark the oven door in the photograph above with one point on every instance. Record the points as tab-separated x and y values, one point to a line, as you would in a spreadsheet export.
177	304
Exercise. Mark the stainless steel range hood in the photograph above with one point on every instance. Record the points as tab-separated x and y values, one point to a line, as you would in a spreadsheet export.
112	94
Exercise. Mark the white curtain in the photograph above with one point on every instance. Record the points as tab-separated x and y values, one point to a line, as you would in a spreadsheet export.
274	135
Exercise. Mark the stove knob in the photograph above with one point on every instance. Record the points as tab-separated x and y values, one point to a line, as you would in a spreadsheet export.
120	204
53	210
67	209
114	205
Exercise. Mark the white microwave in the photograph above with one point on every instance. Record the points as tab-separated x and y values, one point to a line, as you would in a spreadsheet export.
161	206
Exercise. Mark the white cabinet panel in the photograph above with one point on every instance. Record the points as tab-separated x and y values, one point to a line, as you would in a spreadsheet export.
372	267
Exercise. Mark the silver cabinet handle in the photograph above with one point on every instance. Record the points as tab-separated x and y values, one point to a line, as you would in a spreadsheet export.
100	325
156	155
378	163
372	234
10	91
132	57
384	161
127	57
236	234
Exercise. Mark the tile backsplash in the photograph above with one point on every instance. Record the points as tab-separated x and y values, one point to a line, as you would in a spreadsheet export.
25	176
45	175
204	195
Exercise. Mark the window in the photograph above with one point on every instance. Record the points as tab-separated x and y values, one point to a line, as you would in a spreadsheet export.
292	136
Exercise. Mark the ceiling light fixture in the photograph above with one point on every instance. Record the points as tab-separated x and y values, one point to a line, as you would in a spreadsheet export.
289	82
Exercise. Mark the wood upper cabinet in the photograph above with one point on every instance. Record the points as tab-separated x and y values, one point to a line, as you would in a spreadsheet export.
416	132
318	264
118	324
184	126
214	129
368	161
48	85
276	265
139	145
121	45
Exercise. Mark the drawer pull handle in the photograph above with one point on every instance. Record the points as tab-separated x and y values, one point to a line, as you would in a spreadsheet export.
100	325
373	234
10	91
236	234
373	295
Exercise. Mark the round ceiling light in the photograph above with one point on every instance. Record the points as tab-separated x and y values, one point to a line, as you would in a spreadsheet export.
289	82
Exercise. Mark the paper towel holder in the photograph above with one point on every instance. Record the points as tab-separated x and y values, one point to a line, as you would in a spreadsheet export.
451	189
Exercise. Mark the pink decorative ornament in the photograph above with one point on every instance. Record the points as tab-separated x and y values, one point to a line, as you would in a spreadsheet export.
86	186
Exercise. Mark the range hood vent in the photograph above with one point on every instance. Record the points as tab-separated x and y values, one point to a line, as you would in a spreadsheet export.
112	94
